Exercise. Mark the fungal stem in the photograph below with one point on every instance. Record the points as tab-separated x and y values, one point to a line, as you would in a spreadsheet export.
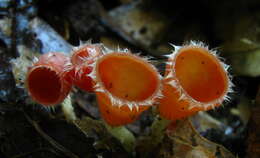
68	109
157	130
125	136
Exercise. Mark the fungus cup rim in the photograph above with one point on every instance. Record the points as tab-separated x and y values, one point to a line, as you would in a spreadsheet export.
116	101
172	79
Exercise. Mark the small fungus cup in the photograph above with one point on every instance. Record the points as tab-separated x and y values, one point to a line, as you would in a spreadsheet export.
195	80
47	80
125	85
82	57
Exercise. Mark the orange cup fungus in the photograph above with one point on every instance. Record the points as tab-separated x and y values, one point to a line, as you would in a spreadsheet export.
82	57
125	86
47	80
195	80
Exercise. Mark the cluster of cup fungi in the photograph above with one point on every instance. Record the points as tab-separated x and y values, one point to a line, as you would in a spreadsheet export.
125	84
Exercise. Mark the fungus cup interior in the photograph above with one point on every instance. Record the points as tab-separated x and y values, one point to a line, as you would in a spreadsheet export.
200	74
127	77
44	85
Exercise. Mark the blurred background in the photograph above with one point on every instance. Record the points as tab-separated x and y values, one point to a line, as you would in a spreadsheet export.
144	26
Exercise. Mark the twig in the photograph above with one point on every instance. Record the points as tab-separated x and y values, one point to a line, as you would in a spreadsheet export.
55	144
13	27
35	151
122	134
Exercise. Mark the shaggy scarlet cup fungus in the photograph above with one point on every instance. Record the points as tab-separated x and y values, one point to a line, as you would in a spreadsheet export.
82	57
125	85
195	80
47	80
116	116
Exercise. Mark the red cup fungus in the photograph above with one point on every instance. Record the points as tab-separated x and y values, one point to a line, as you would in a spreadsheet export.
82	57
195	80
125	85
47	80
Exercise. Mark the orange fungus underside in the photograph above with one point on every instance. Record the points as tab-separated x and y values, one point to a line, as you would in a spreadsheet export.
89	51
116	116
